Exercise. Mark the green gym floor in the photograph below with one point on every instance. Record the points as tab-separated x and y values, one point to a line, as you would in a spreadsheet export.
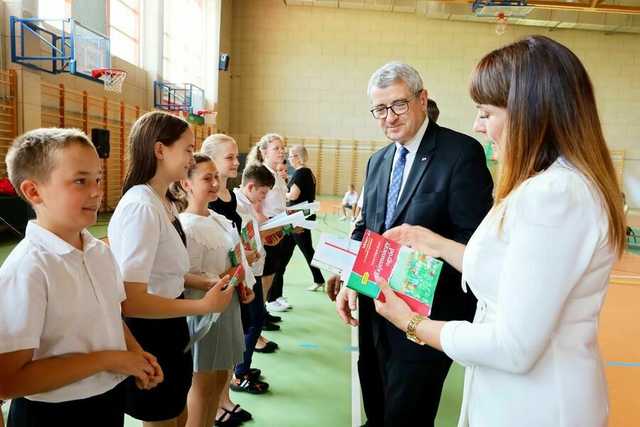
311	377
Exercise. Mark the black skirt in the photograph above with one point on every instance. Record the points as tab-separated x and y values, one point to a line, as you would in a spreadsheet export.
166	339
103	410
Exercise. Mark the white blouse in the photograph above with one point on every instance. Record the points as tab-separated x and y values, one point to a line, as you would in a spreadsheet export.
56	299
209	240
248	214
276	200
146	245
539	264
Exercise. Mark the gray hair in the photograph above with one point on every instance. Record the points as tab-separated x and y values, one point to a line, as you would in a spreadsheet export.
393	72
301	151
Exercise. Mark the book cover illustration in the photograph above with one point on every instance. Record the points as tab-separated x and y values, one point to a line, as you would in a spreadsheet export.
235	255
411	274
248	236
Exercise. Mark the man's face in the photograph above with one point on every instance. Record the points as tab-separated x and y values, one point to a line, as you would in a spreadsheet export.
400	127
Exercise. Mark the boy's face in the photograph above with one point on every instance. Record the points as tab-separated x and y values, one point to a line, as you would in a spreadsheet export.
256	194
69	200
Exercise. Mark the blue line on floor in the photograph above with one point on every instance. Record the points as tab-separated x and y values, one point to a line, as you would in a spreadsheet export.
626	364
309	346
351	348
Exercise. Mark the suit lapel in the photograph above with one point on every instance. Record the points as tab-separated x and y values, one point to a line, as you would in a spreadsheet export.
418	168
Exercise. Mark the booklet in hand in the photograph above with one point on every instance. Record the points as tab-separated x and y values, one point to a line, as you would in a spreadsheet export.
248	236
412	275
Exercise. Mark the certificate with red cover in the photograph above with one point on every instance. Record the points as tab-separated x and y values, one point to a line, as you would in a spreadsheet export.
412	275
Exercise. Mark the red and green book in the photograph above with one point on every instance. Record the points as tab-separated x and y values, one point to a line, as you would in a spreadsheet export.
411	274
248	236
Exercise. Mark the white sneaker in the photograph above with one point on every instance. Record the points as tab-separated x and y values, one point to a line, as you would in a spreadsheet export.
283	302
276	307
315	287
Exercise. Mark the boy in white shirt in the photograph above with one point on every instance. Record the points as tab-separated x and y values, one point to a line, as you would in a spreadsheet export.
256	183
64	350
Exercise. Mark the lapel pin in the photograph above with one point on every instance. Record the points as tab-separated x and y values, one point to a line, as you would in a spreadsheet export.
423	159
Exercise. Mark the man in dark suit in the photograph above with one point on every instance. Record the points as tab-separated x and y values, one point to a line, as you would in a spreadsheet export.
429	176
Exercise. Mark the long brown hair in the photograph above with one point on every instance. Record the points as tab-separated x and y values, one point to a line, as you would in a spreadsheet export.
152	127
551	111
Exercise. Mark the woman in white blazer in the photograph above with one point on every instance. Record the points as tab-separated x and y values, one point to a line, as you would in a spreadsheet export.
539	262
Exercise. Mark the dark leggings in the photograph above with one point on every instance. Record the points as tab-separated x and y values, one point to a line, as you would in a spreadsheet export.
253	315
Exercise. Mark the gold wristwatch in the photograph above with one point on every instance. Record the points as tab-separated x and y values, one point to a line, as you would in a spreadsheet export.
411	329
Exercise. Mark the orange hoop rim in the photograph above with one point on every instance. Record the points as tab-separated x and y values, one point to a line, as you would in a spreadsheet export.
99	72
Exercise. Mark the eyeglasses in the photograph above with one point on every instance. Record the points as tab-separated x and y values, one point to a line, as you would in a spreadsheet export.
398	107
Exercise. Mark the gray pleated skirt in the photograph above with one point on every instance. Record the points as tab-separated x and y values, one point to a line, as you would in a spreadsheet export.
223	346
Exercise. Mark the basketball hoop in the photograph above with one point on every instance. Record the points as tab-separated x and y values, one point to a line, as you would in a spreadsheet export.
198	118
111	77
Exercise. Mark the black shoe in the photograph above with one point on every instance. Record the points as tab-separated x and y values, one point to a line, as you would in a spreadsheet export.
272	319
270	347
245	384
270	327
227	420
239	414
255	373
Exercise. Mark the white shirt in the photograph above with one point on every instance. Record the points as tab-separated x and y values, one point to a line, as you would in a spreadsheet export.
56	300
412	145
248	214
146	244
209	240
276	200
531	352
350	198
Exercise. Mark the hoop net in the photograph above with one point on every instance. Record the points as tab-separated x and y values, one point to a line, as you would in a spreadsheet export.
111	77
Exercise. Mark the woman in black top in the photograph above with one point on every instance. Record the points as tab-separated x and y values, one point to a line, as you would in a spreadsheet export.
302	188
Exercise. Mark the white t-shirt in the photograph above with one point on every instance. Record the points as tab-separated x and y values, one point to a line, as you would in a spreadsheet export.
56	300
249	215
276	200
350	198
146	244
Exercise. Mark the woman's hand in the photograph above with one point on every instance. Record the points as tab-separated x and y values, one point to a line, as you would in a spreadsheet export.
418	238
392	307
218	297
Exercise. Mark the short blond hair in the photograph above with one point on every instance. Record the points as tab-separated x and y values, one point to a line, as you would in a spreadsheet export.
32	154
211	145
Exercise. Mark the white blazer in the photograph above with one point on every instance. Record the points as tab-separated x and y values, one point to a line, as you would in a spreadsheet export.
539	264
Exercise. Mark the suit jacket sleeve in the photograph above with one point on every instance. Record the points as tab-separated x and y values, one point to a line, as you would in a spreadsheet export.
470	192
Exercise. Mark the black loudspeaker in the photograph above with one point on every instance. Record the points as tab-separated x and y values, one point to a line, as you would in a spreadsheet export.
223	63
100	138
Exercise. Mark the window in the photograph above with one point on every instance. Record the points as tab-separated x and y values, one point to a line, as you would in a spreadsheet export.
124	29
54	9
183	54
